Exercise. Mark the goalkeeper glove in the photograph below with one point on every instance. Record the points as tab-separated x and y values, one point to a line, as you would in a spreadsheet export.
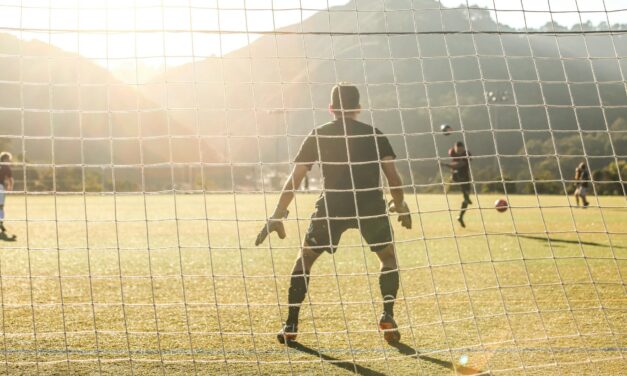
274	223
404	216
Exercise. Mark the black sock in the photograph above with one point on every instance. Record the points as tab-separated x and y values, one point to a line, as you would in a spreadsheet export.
296	295
388	282
2	227
463	210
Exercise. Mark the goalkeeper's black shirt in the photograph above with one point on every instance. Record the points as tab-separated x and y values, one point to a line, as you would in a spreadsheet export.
349	153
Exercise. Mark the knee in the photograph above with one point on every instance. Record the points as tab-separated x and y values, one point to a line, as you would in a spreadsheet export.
304	262
300	266
388	258
391	265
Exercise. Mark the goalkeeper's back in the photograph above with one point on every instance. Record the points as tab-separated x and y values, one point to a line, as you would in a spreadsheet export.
349	153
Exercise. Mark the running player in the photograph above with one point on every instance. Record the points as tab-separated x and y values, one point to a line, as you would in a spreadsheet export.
460	168
351	155
6	184
582	176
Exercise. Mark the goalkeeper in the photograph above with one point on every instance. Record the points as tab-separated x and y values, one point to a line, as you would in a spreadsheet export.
351	155
6	184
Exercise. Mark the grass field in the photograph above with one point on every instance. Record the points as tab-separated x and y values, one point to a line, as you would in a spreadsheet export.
118	286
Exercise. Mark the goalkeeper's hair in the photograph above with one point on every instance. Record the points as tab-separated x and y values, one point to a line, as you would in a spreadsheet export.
5	156
344	96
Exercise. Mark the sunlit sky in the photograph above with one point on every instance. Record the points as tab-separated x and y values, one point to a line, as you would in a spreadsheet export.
119	47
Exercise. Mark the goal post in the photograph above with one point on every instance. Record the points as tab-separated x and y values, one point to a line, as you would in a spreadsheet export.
151	140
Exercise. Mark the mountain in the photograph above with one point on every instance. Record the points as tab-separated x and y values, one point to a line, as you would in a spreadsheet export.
280	83
60	108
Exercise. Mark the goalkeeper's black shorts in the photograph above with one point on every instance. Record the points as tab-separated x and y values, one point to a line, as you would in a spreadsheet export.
324	232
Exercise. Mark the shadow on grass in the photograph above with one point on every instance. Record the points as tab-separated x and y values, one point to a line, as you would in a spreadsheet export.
349	366
459	370
552	240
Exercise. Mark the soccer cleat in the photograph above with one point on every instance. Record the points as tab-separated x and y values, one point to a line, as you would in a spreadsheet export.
5	237
461	221
389	328
586	204
287	333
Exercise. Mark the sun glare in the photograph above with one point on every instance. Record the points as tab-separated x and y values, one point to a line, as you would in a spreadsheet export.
123	34
151	33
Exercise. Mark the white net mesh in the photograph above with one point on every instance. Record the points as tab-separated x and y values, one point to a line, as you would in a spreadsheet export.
151	139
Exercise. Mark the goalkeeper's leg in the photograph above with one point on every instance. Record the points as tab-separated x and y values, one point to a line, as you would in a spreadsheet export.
389	283
299	283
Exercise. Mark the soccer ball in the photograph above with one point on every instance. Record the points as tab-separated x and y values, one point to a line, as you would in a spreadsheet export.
501	205
446	129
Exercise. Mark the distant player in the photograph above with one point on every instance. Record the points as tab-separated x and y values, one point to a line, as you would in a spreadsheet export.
351	155
582	176
460	168
6	184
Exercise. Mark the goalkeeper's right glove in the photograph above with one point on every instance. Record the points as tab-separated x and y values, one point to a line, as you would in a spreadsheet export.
274	223
404	216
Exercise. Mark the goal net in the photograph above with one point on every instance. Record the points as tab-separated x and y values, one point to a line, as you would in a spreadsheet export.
150	141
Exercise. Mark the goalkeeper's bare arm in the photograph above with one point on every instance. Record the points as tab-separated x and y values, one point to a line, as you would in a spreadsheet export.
396	190
275	223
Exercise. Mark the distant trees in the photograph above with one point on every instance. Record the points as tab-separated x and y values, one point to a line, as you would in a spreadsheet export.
545	164
603	153
65	179
610	180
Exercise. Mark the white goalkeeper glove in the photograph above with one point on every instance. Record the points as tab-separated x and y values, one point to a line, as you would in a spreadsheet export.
404	216
274	223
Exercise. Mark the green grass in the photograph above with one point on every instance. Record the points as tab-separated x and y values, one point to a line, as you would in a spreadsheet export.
99	284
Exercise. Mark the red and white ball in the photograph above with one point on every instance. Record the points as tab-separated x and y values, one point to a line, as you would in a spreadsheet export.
501	205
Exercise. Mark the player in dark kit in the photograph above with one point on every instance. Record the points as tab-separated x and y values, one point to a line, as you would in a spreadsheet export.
582	176
351	155
460	167
6	184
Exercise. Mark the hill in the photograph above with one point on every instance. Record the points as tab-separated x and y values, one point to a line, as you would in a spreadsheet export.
411	84
244	103
60	108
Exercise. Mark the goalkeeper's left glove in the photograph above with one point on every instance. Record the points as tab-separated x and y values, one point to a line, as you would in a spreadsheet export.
274	223
404	216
